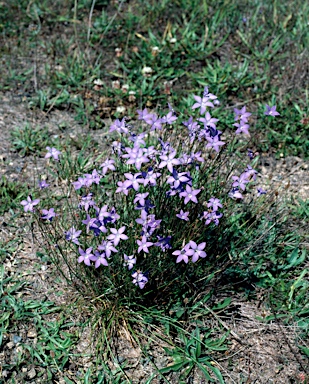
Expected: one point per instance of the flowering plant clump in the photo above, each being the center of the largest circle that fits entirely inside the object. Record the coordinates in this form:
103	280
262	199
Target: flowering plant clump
157	214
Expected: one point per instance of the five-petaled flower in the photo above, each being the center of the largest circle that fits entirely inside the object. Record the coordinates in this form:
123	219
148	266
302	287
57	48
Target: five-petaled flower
143	244
271	111
29	204
86	256
117	234
190	194
196	251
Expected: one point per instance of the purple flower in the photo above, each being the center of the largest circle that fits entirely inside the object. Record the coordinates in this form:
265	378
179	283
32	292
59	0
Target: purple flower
100	259
89	222
212	217
117	147
86	256
242	127
250	173
203	102
241	114
144	114
155	121
143	244
134	180
169	118
179	178
29	204
250	154
108	164
107	247
164	242
214	203
193	128
208	120
48	214
235	194
52	152
169	161
86	202
183	215
140	198
215	143
72	235
43	184
79	183
190	194
271	111
183	254
119	126
240	181
117	235
113	216
196	251
103	214
123	187
129	261
138	140
261	191
150	177
139	279
136	156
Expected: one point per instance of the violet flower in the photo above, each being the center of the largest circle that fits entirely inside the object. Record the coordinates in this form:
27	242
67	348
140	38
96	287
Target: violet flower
107	165
208	121
183	215
203	102
134	180
129	261
235	194
169	118
72	235
215	143
196	251
86	256
241	114
143	244
100	259
271	111
29	204
169	161
119	126
139	279
48	214
183	254
242	127
190	194
52	152
107	247
43	184
261	191
117	235
214	203
140	198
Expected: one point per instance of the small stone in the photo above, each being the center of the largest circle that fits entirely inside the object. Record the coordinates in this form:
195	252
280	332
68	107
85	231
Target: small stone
31	333
10	345
16	339
31	374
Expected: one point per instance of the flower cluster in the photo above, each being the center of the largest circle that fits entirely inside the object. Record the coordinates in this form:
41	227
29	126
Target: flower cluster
158	187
